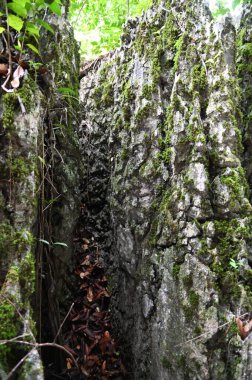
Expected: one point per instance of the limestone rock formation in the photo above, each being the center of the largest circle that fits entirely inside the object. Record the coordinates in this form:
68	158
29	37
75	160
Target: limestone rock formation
38	199
166	141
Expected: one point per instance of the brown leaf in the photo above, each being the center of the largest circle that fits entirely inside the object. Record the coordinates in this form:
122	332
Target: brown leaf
69	363
86	261
84	274
15	83
90	295
3	68
244	330
18	73
104	365
248	327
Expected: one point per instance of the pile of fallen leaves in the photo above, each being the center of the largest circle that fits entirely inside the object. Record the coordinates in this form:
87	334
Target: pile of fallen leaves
89	326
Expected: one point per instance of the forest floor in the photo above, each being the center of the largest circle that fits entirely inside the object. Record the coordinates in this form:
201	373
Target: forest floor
89	329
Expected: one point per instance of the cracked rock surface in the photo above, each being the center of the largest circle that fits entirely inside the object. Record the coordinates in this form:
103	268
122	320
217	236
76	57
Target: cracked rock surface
166	141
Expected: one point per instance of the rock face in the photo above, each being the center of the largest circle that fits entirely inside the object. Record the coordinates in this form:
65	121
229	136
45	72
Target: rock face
38	200
166	141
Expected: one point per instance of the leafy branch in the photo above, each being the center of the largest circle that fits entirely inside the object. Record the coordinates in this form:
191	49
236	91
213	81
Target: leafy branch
22	23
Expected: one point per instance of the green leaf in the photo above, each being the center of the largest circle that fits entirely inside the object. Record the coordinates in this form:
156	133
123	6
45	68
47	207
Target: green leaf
55	8
32	29
236	3
15	22
44	241
41	160
1	14
18	48
2	29
40	3
45	25
66	90
18	9
61	244
33	48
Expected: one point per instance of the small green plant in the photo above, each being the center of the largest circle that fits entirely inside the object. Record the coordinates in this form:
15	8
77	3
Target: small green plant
236	264
21	26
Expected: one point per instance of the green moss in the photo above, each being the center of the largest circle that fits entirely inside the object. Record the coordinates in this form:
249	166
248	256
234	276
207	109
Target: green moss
9	104
188	312
199	77
175	270
155	72
197	331
165	143
166	363
27	91
9	328
125	153
103	73
180	48
128	94
230	290
20	168
143	112
230	236
246	50
97	94
103	95
17	240
166	155
187	281
147	92
237	184
170	32
152	237
107	95
193	299
27	276
126	112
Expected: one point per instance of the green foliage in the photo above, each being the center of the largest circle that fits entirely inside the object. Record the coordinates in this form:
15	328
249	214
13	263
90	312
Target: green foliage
24	17
222	7
9	328
236	264
98	23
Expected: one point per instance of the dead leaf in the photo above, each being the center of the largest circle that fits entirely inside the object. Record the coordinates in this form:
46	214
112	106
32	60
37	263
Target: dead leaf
69	363
244	330
86	241
3	69
90	295
86	261
104	365
84	274
248	327
18	73
15	83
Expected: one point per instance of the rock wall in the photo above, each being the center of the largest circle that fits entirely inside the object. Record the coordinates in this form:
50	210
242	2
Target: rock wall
39	199
166	138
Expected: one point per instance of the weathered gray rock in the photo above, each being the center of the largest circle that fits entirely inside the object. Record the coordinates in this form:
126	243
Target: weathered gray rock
166	186
39	199
19	181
